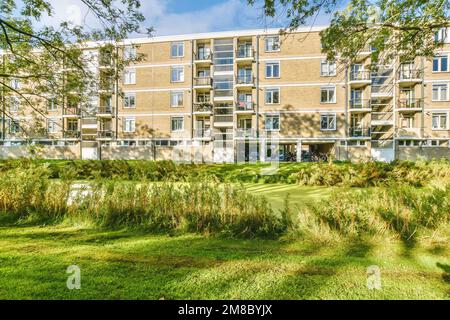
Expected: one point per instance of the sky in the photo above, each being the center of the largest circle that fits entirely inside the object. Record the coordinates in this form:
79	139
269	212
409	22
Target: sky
169	17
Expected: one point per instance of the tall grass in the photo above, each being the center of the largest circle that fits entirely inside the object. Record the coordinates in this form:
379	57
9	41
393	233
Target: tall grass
208	207
346	174
200	207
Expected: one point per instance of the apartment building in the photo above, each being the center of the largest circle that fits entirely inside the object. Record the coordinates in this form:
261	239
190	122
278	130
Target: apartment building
247	96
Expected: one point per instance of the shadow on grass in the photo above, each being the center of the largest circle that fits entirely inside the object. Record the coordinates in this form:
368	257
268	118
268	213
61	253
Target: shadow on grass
446	269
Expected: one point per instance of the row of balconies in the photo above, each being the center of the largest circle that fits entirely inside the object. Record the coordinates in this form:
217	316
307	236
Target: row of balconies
207	82
403	105
239	106
243	53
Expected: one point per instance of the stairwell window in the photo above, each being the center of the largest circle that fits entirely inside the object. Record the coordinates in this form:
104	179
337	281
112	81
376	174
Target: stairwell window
129	125
129	76
440	92
14	126
177	50
129	100
273	69
272	122
177	74
440	121
177	124
440	63
272	44
176	99
272	96
328	122
328	94
15	84
327	68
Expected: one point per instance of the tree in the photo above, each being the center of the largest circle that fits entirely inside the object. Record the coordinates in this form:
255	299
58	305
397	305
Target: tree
409	28
44	66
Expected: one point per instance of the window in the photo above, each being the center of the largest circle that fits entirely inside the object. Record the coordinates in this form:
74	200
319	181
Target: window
176	98
272	70
51	104
272	44
129	124
72	125
407	122
129	76
328	94
273	96
440	63
327	68
177	74
52	126
356	143
272	122
439	121
328	122
441	35
177	124
14	126
14	104
129	53
440	92
177	50
15	84
129	100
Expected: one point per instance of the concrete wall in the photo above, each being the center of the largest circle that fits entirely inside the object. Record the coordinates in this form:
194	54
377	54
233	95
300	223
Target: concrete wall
46	152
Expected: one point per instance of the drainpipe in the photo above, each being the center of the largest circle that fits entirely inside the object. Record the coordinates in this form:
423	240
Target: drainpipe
3	102
346	126
192	96
258	147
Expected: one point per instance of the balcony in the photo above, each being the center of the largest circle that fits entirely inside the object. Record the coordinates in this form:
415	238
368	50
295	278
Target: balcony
105	111
407	78
203	58
244	107
105	134
223	120
357	132
202	134
203	83
89	124
245	54
72	112
203	108
359	79
384	91
245	82
410	105
360	105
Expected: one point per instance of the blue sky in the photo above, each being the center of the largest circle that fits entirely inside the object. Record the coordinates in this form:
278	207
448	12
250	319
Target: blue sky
169	17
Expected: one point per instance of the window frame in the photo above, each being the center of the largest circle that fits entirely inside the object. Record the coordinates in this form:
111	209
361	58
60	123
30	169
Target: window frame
124	125
125	98
439	92
172	69
333	115
271	64
272	116
278	41
127	78
129	52
322	88
327	64
440	114
172	118
272	96
439	58
174	93
177	43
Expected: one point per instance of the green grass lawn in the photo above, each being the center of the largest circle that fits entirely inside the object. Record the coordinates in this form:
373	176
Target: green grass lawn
127	265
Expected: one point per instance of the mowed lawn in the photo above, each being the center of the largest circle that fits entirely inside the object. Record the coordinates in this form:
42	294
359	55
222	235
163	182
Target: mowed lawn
126	265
